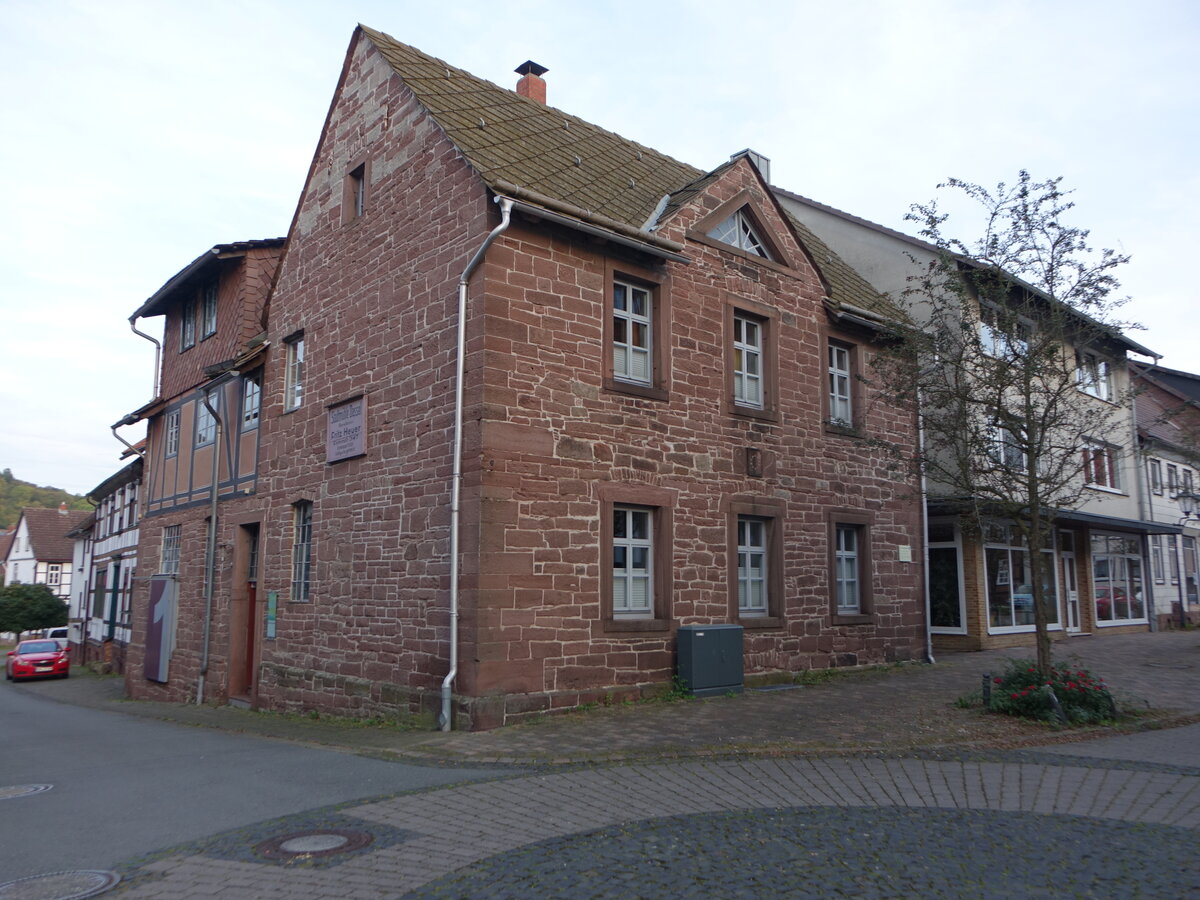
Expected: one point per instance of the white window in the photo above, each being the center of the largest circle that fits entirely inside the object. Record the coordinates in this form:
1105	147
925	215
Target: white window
169	564
293	386
251	400
1005	449
1002	333
206	425
1172	481
1173	557
847	569
1010	579
841	411
54	574
747	361
632	360
752	566
302	552
1092	375
187	325
1156	478
208	314
1156	558
1100	465
738	231
1187	481
171	441
632	566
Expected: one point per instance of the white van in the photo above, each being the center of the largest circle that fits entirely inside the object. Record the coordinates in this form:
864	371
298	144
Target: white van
61	633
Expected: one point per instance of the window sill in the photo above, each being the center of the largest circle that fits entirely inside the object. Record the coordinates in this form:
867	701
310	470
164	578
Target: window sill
1105	489
859	619
843	430
759	623
766	414
645	391
635	626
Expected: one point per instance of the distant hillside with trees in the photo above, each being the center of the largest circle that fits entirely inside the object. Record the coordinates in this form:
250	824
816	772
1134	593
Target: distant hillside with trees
16	494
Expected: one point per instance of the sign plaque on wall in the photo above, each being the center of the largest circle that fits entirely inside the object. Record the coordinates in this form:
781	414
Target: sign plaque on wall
346	430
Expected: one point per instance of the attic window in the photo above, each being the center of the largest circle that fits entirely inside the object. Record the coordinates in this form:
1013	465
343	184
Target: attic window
738	231
356	192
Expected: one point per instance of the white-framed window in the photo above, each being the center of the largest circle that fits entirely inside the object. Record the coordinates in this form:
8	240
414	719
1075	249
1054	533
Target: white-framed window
1156	478
187	326
171	540
747	360
302	551
171	440
847	569
841	409
251	400
293	381
632	561
632	334
1173	557
739	231
208	311
206	425
54	574
131	501
1156	558
752	566
1172	481
1117	579
1009	575
1005	449
1188	484
1092	375
1001	333
1101	465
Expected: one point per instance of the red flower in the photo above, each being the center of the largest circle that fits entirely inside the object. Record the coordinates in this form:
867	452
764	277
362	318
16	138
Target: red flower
1014	696
997	680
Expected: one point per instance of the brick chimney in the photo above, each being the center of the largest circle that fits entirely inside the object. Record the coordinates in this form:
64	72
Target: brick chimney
62	508
531	84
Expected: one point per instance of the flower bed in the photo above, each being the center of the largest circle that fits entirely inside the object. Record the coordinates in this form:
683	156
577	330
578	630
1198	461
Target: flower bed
1022	691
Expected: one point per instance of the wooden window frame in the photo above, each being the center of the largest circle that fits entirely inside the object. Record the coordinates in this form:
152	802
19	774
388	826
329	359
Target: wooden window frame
659	502
773	513
656	283
208	304
768	322
863	523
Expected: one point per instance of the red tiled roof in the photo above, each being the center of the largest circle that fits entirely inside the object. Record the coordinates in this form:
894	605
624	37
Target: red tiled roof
48	532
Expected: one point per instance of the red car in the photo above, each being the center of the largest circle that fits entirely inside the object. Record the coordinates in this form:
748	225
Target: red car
38	659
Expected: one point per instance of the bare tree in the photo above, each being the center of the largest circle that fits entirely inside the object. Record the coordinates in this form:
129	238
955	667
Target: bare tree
1012	352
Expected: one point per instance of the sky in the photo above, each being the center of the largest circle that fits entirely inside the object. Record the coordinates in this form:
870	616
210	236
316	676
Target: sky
139	134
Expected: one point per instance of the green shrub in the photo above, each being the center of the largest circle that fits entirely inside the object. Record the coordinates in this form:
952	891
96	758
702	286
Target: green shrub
1021	691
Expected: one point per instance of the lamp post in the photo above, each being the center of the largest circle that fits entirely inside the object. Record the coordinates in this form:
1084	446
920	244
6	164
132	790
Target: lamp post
1188	505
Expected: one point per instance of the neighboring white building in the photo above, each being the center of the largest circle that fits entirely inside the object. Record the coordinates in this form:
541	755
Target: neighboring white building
41	552
1099	550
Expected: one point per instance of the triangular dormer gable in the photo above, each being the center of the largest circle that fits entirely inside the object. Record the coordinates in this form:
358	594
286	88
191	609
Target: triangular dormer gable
741	231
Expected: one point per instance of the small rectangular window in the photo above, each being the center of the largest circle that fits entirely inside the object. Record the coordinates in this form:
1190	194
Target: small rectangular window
171	440
54	574
1156	477
752	566
293	385
1002	333
1187	481
206	425
1173	558
632	562
187	326
302	551
1172	481
356	191
841	410
1092	375
632	333
171	539
251	400
1100	465
1156	558
208	314
748	361
847	569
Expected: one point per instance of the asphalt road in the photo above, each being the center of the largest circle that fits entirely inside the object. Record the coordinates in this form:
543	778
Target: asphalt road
123	786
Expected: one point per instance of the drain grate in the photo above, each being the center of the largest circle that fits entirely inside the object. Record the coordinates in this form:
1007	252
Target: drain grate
60	885
22	790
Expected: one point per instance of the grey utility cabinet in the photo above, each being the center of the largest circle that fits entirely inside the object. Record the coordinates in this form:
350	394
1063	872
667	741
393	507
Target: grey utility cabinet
710	659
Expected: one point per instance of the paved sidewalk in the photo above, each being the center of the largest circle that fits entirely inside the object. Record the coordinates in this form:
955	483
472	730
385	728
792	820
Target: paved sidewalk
900	708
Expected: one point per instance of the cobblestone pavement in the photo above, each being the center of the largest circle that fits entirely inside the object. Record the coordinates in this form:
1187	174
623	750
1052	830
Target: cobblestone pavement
868	785
740	828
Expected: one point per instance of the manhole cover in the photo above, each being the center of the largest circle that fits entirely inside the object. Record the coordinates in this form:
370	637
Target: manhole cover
310	844
22	790
60	885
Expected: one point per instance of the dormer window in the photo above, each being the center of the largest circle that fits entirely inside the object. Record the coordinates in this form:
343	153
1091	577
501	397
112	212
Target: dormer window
739	231
208	311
